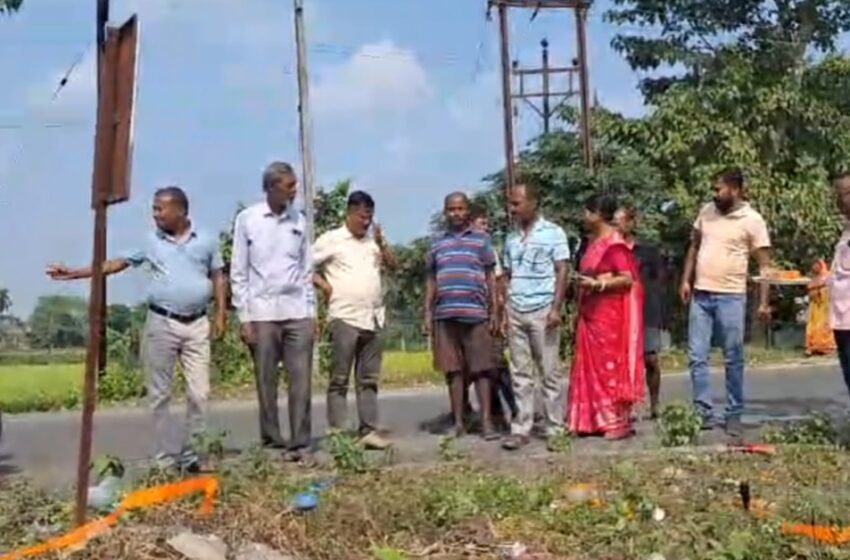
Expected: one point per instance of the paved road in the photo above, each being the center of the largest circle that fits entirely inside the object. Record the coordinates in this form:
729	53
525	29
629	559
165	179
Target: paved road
44	446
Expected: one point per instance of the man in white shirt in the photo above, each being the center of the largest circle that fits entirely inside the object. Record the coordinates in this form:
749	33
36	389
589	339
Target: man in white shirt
272	284
348	264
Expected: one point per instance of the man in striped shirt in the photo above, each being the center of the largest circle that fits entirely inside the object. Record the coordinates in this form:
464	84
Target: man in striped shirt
461	309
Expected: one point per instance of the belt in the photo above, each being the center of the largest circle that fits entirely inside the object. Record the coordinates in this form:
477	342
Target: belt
176	316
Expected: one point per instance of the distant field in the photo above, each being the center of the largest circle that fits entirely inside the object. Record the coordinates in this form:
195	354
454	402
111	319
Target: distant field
39	387
49	387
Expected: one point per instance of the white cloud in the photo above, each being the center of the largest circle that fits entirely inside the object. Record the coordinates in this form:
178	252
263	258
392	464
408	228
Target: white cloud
378	77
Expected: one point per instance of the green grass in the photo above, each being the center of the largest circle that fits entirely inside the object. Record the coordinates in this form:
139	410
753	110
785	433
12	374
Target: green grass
39	387
472	509
49	387
409	369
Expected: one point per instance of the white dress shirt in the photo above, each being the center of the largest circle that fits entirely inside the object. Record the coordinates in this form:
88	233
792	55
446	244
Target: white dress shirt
272	266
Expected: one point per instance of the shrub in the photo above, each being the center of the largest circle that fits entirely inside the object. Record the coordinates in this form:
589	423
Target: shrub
680	425
42	357
121	383
231	360
818	429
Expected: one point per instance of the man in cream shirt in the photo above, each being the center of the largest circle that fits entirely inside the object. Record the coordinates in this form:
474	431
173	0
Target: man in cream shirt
348	265
726	233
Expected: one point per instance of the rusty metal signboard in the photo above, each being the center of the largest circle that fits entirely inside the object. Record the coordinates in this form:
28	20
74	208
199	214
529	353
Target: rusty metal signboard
116	107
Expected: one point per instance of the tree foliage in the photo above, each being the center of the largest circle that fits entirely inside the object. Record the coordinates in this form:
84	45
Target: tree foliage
59	322
329	207
554	162
5	301
700	35
789	134
9	6
405	290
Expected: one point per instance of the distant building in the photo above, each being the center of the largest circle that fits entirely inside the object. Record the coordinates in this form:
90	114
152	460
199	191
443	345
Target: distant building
14	333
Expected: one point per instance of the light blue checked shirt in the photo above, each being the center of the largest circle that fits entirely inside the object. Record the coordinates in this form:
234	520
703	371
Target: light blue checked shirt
272	266
180	270
531	265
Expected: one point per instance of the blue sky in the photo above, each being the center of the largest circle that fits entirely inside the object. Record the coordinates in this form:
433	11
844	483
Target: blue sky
405	94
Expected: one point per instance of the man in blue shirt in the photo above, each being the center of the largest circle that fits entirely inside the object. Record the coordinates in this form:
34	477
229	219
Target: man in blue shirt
185	272
536	257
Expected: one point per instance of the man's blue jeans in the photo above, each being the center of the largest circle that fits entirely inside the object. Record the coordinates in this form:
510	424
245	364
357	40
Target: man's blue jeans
715	316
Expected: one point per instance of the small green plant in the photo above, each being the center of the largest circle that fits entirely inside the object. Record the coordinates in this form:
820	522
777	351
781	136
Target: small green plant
210	444
385	553
559	443
818	429
107	465
348	456
465	494
448	449
258	462
121	383
737	546
680	425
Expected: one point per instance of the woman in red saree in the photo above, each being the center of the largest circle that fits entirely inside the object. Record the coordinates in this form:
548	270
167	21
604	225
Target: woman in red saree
607	378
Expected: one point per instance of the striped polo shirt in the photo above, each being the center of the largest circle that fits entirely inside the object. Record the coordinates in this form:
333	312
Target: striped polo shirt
459	261
530	261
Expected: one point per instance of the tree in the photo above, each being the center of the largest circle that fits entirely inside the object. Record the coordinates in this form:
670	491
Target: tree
124	319
330	207
555	163
699	35
59	322
405	290
761	89
5	301
9	6
789	134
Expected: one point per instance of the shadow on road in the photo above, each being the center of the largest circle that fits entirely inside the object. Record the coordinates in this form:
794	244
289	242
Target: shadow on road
790	408
758	412
6	466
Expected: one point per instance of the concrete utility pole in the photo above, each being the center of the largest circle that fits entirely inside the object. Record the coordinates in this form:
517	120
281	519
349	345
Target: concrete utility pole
102	20
305	126
544	44
507	104
304	122
581	8
546	72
